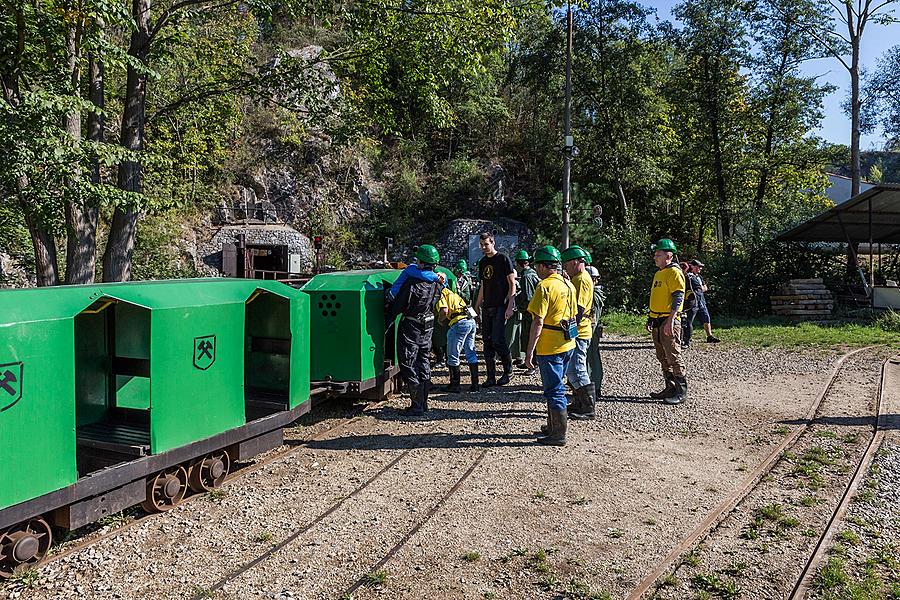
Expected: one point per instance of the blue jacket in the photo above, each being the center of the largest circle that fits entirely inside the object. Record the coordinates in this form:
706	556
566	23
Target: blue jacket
411	271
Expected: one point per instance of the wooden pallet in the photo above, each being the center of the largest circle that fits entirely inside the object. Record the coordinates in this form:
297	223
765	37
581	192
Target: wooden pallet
803	298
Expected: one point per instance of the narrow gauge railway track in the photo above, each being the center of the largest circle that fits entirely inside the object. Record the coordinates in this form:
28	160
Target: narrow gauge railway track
825	541
747	486
246	567
286	451
428	516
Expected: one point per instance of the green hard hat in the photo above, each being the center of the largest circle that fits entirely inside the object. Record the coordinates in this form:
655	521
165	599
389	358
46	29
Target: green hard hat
428	254
588	259
665	244
462	265
574	252
546	254
522	255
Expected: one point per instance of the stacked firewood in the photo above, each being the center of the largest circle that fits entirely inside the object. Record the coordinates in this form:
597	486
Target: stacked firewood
803	298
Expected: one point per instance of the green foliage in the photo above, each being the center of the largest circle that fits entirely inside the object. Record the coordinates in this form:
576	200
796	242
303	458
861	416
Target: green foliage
157	253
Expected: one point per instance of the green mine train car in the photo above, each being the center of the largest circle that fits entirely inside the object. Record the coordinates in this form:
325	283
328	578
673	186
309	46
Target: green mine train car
118	394
353	349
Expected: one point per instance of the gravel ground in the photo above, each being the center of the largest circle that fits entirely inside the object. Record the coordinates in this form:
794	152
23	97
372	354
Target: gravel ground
865	560
531	521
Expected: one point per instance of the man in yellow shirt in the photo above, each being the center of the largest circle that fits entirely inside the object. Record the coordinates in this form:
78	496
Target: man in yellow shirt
452	309
574	262
552	339
664	321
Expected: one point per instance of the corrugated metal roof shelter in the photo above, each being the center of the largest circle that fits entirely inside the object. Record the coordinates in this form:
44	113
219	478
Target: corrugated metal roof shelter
872	216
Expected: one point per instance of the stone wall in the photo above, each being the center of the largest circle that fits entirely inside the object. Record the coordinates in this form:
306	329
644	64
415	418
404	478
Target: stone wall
455	242
210	253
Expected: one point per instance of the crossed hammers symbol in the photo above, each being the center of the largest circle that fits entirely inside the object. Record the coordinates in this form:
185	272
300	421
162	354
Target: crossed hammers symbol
8	377
204	347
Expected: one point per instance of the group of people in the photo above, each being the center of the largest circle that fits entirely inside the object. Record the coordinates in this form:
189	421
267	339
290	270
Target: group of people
541	314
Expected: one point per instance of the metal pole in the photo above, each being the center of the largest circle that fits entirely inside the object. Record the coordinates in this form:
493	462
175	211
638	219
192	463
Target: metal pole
871	249
567	133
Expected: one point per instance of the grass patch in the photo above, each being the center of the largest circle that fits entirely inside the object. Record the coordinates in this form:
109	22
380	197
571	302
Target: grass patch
827	434
582	501
781	430
669	581
850	438
713	584
578	590
216	495
809	500
378	577
539	495
202	592
772	331
849	537
615	533
692	559
811	465
832	576
26	578
114	520
263	537
472	556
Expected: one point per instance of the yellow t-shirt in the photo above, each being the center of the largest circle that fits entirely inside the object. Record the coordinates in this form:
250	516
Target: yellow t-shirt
584	289
666	282
455	305
553	301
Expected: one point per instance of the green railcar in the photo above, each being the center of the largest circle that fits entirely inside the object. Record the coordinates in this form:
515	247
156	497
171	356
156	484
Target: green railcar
354	348
116	394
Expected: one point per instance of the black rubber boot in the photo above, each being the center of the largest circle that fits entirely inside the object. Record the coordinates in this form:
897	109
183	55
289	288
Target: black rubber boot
507	370
417	402
454	381
711	339
491	369
669	390
473	374
681	391
545	429
558	426
585	396
426	388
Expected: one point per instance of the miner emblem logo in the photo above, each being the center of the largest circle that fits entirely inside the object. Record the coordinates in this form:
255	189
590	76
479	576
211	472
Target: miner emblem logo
204	352
10	384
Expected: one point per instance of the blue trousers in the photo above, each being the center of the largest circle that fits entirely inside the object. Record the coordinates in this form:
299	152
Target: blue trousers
577	371
461	337
553	368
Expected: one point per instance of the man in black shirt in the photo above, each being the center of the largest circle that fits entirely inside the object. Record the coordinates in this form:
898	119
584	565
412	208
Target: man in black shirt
496	298
415	301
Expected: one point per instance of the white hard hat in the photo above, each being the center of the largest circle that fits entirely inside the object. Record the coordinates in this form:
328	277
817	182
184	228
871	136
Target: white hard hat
592	271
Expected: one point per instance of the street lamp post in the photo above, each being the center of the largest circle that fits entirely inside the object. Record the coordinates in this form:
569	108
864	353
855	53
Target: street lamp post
568	141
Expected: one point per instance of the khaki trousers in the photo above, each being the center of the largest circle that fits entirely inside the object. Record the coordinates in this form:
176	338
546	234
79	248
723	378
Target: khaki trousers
668	348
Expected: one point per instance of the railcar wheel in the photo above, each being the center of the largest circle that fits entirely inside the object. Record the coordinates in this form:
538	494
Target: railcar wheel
210	472
24	544
166	490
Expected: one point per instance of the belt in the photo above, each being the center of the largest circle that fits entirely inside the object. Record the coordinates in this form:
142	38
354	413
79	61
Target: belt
459	314
657	321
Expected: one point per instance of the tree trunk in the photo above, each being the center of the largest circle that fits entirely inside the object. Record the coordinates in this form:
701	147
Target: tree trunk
120	245
721	195
621	193
81	220
45	266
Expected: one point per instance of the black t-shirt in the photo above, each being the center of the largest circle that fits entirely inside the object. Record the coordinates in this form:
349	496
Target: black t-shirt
493	272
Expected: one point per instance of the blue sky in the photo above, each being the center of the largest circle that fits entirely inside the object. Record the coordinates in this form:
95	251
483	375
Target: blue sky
836	125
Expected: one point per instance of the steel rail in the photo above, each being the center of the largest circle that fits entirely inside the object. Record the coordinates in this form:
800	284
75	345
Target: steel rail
285	452
718	514
804	582
363	580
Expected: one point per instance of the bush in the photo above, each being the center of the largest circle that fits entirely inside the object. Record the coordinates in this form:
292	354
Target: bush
889	321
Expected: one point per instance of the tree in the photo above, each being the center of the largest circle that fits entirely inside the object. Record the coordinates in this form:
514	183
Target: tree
620	111
881	95
840	34
714	45
788	104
